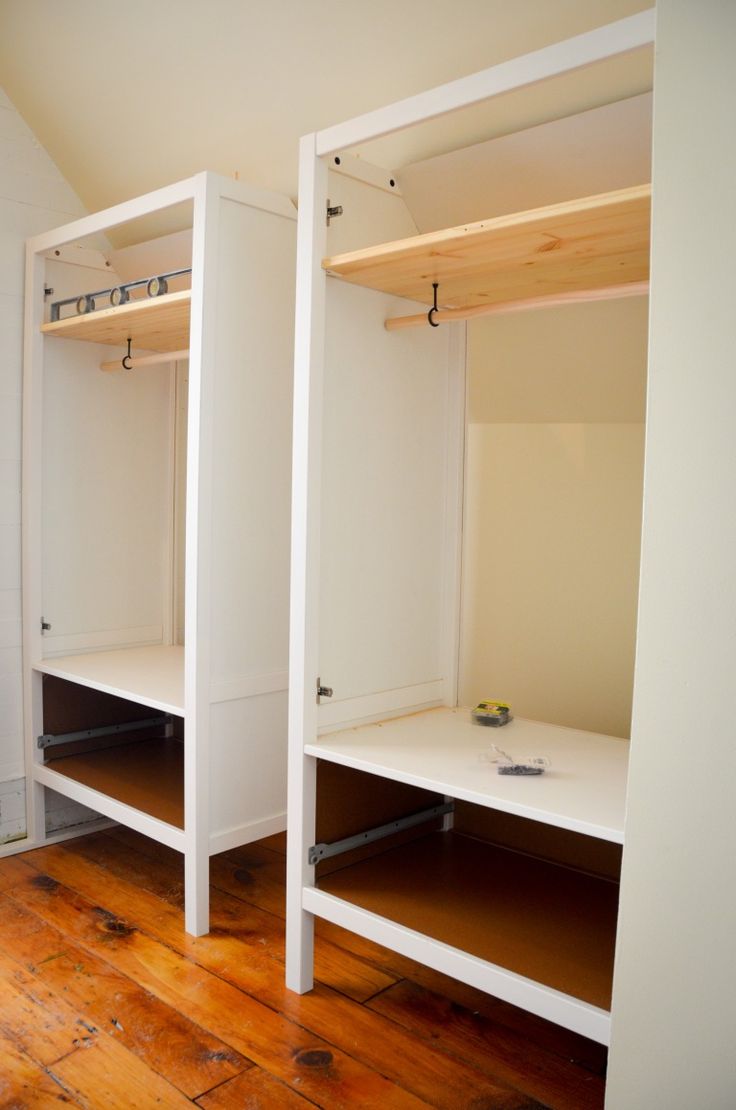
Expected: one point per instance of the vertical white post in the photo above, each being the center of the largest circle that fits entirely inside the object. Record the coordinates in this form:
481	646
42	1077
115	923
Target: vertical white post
306	482
454	506
198	540
32	536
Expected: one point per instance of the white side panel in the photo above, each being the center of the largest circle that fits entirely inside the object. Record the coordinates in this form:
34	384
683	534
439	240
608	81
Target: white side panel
247	768
252	444
383	497
105	493
674	1003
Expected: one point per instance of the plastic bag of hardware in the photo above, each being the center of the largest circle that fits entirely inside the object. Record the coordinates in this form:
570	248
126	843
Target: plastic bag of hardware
509	765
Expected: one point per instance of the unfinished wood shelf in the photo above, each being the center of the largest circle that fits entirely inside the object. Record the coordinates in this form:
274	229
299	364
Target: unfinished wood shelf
547	923
153	324
147	776
587	244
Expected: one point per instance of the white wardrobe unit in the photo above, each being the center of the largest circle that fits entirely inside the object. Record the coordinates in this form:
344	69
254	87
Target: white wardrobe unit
156	519
399	830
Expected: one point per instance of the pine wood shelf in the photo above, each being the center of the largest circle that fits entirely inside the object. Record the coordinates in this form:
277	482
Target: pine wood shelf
586	244
153	324
548	923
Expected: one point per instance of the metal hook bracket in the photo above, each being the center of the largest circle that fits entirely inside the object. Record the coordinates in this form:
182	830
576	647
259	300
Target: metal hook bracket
126	358
433	309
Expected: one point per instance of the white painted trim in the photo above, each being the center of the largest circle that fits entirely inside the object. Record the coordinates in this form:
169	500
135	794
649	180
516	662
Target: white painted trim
202	341
561	57
110	807
454	509
109	218
249	686
168	631
81	642
305	531
334	715
572	1013
366	172
32	533
80	256
246	833
230	189
16	847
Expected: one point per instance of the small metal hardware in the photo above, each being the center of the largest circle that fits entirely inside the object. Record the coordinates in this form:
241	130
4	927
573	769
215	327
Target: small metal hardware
45	626
333	210
156	286
49	740
325	851
126	358
433	309
48	291
323	691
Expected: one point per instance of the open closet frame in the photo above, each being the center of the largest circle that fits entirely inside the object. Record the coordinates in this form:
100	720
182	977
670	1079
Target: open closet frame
226	686
359	733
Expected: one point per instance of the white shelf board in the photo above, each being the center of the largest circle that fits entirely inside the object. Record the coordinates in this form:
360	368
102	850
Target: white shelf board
151	676
440	749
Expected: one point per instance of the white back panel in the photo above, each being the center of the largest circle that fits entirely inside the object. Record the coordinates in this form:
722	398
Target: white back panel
383	498
251	466
105	498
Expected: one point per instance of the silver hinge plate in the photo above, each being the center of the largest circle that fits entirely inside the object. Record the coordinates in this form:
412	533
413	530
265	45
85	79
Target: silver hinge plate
333	210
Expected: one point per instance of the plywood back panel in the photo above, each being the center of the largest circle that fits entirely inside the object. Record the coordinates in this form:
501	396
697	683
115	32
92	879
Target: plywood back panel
351	802
384	491
586	853
69	707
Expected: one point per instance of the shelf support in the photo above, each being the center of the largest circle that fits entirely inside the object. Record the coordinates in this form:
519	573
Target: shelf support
324	851
50	740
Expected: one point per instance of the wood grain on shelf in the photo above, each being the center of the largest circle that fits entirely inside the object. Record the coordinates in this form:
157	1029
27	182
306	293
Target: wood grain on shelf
551	924
153	324
148	776
589	243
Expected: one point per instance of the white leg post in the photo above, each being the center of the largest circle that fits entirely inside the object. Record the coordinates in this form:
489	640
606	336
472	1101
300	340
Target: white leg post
198	541
303	662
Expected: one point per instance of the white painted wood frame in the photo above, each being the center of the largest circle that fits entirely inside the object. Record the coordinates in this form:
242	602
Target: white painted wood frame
306	721
229	681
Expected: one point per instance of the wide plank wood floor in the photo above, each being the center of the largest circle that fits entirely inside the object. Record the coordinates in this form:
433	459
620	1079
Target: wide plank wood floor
106	1002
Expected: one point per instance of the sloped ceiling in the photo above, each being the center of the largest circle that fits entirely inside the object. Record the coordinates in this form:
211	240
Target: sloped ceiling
132	95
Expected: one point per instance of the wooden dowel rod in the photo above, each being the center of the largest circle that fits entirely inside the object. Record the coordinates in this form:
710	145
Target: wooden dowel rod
554	300
145	360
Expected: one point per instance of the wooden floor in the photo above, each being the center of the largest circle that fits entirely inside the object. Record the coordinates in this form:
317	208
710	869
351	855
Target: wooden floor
106	1002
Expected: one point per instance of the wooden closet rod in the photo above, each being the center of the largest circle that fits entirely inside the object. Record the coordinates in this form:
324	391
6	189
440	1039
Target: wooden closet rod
580	296
144	360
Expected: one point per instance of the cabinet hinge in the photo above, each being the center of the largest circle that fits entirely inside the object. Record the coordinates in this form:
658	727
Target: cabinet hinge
45	626
323	691
333	210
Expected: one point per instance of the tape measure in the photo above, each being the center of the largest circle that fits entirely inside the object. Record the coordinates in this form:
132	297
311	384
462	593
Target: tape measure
494	713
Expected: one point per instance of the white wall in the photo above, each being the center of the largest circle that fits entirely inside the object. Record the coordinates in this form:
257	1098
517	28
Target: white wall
674	1000
33	198
553	512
